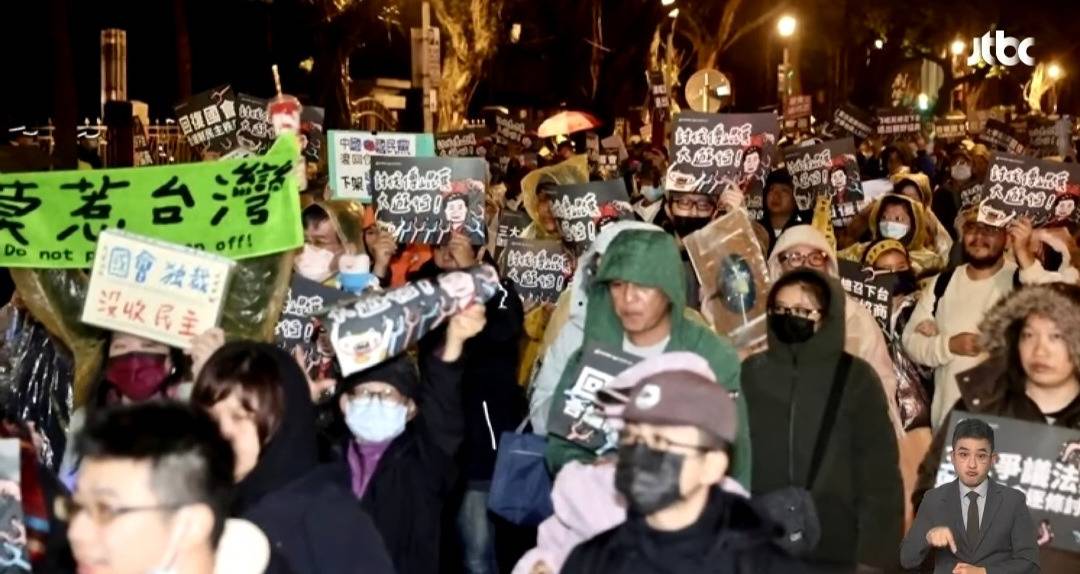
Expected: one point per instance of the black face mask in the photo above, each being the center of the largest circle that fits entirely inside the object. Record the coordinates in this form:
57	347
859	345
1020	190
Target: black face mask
684	226
906	282
791	329
648	478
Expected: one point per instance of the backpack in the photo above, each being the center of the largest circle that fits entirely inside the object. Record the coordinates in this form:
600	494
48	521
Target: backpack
941	283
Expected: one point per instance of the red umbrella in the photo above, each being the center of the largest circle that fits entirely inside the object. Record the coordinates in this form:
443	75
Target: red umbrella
566	123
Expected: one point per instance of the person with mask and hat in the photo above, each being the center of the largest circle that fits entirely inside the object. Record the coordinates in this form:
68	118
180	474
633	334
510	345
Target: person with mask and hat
901	218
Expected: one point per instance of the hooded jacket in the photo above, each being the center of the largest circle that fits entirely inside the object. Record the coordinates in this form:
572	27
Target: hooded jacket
997	386
573	170
730	537
649	258
940	239
862	335
924	260
858	491
311	520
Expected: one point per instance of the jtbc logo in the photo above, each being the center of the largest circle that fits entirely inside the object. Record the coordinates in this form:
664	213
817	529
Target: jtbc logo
992	50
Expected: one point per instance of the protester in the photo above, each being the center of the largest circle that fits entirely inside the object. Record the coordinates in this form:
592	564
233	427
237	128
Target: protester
404	433
676	448
857	489
998	533
1033	340
917	187
262	403
153	496
331	229
780	210
948	202
896	160
901	218
640	309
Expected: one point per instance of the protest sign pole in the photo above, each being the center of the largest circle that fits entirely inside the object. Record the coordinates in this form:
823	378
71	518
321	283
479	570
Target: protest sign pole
425	27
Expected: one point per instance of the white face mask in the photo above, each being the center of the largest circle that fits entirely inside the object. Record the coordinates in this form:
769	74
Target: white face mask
893	229
961	172
172	551
314	263
374	420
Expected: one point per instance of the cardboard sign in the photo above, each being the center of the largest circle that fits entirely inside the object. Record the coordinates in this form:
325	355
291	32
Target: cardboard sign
349	156
1046	192
577	415
426	200
236	208
1039	460
472	142
797	112
510	131
512	224
1047	137
659	99
854	121
999	136
298	325
732	270
583	209
950	129
164	292
208	120
898	122
827	169
254	131
541	269
377	326
874	291
716	152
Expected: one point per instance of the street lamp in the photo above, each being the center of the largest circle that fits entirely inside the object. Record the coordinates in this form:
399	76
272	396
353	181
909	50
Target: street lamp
674	13
958	47
786	26
1054	71
879	43
667	2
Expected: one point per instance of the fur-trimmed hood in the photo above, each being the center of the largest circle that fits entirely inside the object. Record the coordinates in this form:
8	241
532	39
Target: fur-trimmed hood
1057	301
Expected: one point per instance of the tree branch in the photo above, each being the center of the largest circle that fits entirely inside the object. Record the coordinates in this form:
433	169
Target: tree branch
755	24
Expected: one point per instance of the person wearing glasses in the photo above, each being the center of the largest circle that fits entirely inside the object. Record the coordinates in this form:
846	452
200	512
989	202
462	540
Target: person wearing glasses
848	466
153	496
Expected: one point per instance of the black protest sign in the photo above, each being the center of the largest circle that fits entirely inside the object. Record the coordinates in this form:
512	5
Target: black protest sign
999	136
510	131
428	199
854	121
1047	137
897	122
471	142
605	163
254	132
577	416
950	129
1043	463
970	195
660	100
541	269
712	153
797	111
312	119
1045	192
512	223
583	209
827	169
873	290
208	120
298	326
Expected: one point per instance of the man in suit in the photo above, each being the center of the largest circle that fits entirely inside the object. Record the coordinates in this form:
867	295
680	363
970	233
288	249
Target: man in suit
972	524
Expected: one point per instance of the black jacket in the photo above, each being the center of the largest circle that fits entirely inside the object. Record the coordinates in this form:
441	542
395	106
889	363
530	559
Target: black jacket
313	524
729	538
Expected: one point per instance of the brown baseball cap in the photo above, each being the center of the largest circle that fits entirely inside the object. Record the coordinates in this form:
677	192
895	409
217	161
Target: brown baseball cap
683	398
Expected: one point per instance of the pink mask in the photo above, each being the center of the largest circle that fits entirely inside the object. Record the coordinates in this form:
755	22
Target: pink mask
138	376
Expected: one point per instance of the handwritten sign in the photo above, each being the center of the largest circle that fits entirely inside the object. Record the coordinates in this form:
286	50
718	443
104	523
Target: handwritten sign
999	136
209	120
512	223
426	200
298	325
577	416
659	98
350	154
472	142
366	331
1047	137
828	169
236	208
583	209
1018	186
164	292
854	121
873	291
509	131
797	112
254	132
950	129
541	269
1039	460
898	122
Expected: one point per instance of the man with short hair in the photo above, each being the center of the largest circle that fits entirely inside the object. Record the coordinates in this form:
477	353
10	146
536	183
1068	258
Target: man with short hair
153	493
973	525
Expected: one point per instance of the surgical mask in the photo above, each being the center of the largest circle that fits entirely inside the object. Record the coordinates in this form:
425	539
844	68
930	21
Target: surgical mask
961	172
684	226
648	478
893	229
791	329
315	263
138	376
652	193
374	420
172	551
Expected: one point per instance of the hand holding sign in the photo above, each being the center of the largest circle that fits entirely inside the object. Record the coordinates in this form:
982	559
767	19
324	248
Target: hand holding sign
463	326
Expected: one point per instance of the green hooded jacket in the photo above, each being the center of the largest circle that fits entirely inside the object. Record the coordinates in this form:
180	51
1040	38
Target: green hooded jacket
858	491
650	258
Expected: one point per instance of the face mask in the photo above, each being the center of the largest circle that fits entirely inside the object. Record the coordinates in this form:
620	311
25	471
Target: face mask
138	376
648	478
791	329
893	229
652	193
374	420
172	551
314	263
905	282
684	226
961	172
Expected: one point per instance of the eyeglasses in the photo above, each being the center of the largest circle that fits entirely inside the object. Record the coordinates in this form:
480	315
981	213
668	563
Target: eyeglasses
67	508
688	203
976	228
812	314
796	259
659	443
385	395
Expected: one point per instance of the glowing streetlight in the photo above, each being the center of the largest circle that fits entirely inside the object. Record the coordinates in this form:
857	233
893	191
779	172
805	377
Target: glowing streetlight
879	43
786	26
667	2
924	102
674	13
958	47
1054	71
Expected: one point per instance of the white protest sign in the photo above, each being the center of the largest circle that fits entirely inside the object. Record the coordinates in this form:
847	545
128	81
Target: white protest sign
153	289
349	157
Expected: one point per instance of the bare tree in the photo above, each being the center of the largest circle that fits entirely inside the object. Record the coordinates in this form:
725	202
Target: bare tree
472	30
713	29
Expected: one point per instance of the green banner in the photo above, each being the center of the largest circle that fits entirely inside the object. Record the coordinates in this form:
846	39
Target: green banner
237	208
